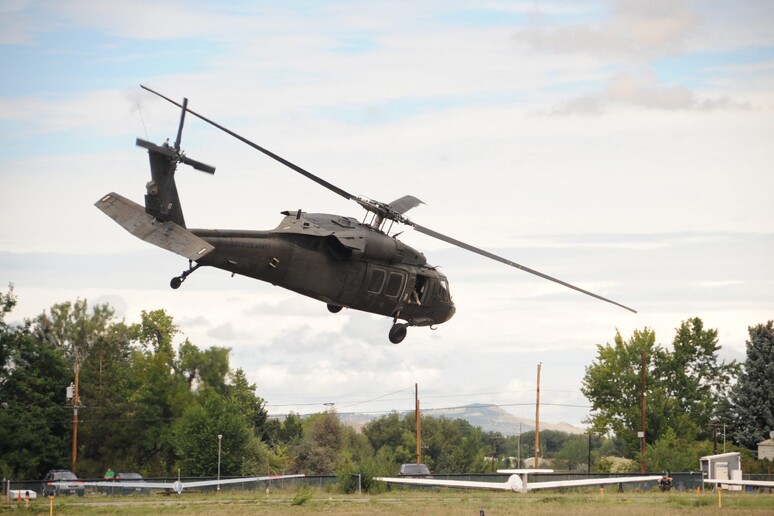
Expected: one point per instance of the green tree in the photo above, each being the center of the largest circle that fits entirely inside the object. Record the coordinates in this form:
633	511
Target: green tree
71	327
694	379
204	367
251	405
196	438
672	453
34	431
685	386
158	395
320	450
612	384
752	404
104	433
573	454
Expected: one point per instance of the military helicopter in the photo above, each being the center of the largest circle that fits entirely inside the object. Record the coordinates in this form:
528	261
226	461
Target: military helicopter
339	260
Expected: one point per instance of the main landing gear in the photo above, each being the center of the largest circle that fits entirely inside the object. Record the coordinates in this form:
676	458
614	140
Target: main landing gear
178	280
398	332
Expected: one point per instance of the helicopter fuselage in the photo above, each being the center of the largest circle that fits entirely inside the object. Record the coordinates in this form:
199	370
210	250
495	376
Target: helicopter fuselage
339	261
335	259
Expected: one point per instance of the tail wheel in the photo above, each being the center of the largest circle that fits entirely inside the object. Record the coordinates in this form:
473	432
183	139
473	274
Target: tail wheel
398	333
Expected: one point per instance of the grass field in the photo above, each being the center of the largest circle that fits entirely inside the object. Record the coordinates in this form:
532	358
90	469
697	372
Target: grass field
443	502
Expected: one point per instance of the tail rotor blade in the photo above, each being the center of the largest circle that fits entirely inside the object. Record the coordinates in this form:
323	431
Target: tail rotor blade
198	165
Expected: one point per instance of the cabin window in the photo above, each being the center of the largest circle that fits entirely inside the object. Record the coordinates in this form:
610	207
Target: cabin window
377	281
394	285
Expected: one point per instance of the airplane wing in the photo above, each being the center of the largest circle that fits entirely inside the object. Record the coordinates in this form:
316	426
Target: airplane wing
202	483
757	483
551	484
512	484
178	486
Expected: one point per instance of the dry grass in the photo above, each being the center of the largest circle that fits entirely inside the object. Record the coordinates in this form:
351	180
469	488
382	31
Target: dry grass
448	503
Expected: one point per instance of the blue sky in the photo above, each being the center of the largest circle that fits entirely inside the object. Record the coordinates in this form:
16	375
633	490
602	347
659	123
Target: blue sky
624	146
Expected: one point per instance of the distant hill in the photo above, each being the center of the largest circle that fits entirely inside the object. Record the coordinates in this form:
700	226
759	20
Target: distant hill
490	418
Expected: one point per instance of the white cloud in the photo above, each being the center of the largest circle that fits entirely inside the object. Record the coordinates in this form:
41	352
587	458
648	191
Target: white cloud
658	202
634	29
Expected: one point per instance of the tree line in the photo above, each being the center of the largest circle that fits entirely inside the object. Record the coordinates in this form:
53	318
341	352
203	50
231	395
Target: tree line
155	403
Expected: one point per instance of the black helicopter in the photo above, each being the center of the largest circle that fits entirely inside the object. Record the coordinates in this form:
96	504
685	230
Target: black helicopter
338	260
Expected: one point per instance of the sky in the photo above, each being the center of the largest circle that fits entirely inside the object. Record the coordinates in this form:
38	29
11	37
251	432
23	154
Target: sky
625	146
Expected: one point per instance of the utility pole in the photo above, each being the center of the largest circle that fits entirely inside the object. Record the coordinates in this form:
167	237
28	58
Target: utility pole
537	419
642	415
220	438
75	417
588	464
419	429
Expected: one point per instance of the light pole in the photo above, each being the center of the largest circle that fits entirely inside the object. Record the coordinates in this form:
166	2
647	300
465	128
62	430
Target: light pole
220	438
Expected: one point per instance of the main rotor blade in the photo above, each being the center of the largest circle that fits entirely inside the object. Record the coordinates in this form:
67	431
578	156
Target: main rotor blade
500	259
305	173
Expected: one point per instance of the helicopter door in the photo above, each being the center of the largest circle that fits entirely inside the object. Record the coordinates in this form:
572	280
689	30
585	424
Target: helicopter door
421	291
382	290
395	284
386	283
376	283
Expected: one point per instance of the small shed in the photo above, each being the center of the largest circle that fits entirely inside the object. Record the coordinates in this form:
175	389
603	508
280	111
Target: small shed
766	449
724	466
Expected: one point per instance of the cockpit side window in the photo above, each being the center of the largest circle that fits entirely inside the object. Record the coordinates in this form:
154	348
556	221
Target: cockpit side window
444	290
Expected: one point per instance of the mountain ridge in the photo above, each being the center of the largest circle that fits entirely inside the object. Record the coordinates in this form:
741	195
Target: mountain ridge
490	417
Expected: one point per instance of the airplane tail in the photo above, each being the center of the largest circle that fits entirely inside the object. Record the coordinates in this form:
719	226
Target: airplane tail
162	200
515	483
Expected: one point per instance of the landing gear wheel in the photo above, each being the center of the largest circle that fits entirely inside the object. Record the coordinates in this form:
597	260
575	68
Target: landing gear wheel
398	333
178	280
334	309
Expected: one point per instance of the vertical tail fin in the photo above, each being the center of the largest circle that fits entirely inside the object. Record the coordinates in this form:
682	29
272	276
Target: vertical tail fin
162	200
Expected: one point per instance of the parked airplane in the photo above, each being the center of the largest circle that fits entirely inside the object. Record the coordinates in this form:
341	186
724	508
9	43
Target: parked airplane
519	484
754	483
178	486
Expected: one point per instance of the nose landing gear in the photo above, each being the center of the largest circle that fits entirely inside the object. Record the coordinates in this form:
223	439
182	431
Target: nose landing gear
398	332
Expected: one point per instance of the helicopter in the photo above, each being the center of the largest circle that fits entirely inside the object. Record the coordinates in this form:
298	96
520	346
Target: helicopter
339	260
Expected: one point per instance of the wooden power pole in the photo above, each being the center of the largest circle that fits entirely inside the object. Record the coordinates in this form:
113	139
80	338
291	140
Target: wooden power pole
537	419
419	428
75	418
642	415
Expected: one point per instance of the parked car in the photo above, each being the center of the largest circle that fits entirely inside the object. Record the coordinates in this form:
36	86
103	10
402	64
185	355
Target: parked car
66	483
139	485
415	471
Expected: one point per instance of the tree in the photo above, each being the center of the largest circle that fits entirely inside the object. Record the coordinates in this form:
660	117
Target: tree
319	451
752	403
196	438
251	405
157	396
685	386
672	453
613	386
694	378
34	434
204	367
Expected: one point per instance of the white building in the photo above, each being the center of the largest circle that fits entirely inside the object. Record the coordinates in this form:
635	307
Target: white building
766	449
